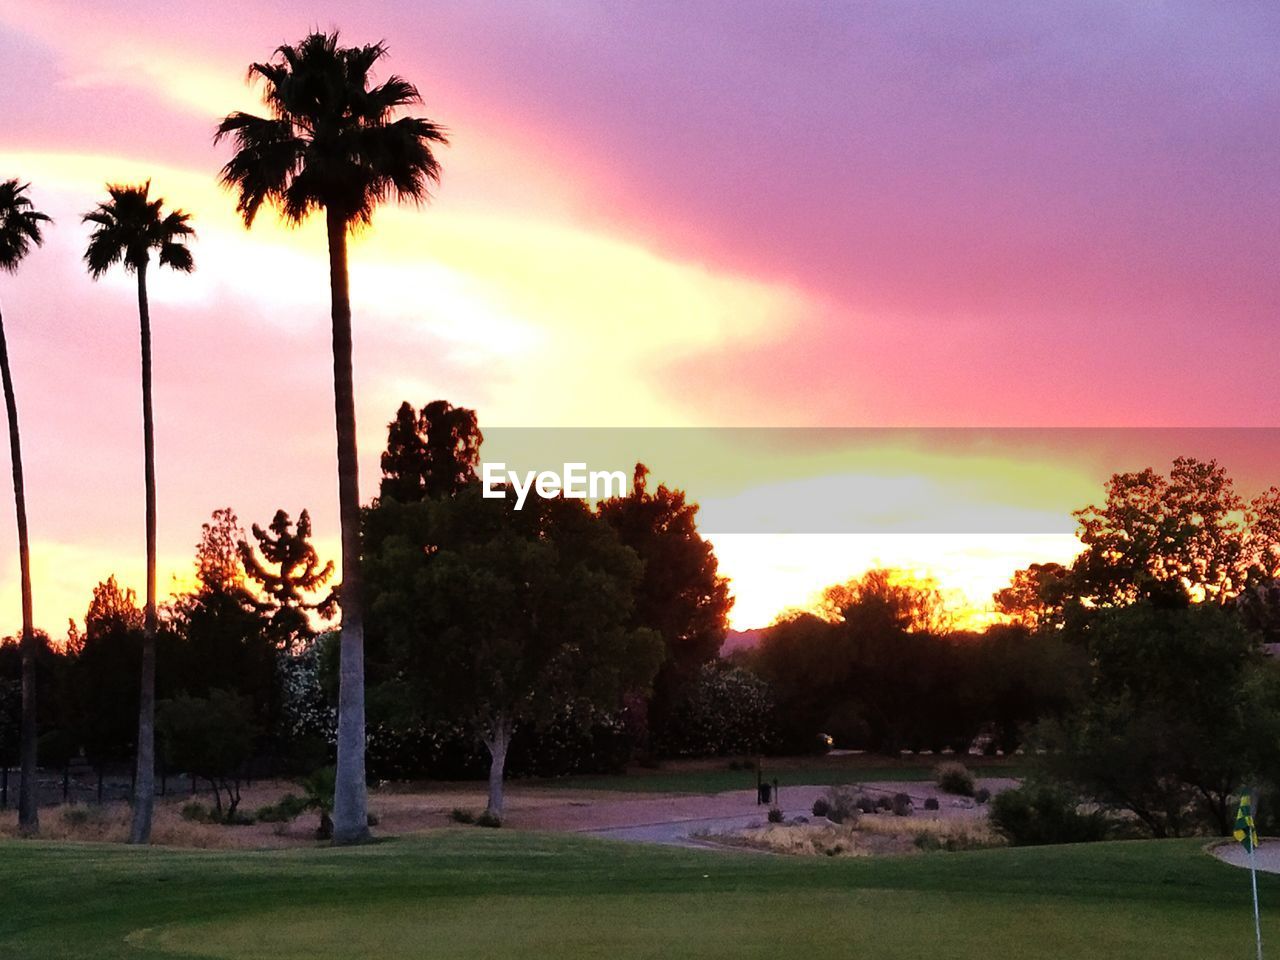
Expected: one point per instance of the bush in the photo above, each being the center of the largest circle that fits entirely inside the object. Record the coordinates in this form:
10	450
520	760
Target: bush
458	815
1040	813
76	816
931	803
487	819
982	795
283	810
927	842
775	815
820	807
883	803
865	804
902	805
841	806
954	778
196	812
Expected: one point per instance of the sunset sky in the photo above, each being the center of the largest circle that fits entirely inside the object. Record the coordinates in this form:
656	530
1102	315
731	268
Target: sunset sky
673	215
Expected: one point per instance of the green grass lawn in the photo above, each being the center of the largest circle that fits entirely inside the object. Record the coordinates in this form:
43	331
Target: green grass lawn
492	894
703	778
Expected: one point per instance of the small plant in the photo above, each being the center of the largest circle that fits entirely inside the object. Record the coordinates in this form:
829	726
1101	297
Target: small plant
982	795
76	816
821	807
931	803
318	796
883	803
458	815
954	778
901	805
287	808
927	842
841	807
775	815
488	819
865	804
196	812
372	819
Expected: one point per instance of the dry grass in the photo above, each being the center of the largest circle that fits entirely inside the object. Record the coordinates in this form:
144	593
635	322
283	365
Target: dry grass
872	835
109	823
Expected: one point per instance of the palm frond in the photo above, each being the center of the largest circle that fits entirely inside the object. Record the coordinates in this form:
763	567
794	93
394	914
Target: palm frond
130	225
332	140
20	224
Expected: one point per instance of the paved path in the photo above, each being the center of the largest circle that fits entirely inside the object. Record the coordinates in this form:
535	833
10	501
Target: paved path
1267	856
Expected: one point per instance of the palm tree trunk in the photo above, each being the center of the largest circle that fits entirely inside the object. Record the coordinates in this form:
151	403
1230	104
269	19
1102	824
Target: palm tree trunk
144	790
350	801
28	802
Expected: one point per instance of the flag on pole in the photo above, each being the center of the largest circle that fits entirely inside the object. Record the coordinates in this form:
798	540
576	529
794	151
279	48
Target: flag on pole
1246	832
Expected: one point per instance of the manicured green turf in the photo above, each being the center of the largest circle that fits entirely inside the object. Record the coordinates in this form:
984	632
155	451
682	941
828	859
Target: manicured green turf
789	772
477	893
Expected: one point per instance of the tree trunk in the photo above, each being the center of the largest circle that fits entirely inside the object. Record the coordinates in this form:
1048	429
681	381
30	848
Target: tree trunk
144	786
350	801
28	802
498	740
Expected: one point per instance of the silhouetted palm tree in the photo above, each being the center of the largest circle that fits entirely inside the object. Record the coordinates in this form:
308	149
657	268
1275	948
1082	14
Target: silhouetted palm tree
128	229
20	226
332	142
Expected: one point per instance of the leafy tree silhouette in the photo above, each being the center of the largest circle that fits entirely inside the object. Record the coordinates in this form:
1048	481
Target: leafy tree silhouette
297	572
430	454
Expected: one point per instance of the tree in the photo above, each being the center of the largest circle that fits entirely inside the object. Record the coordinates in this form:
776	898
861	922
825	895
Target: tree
128	229
104	676
502	617
1181	709
211	737
1036	596
21	226
225	638
332	142
1172	540
298	572
431	454
681	594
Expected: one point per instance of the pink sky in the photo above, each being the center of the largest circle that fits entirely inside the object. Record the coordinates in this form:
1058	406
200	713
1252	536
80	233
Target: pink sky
963	214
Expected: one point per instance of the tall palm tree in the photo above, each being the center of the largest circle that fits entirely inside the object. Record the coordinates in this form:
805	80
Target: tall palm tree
128	228
332	142
20	227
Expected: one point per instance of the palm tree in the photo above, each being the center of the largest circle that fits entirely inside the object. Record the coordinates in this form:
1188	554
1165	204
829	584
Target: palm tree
20	226
128	228
332	142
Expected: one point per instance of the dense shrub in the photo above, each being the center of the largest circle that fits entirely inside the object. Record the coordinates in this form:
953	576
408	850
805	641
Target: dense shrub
902	805
820	807
931	803
982	795
726	710
459	815
287	808
883	803
841	805
1041	813
488	819
775	815
865	804
953	777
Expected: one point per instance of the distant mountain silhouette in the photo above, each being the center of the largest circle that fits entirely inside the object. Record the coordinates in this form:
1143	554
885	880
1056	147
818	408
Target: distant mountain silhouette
737	640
